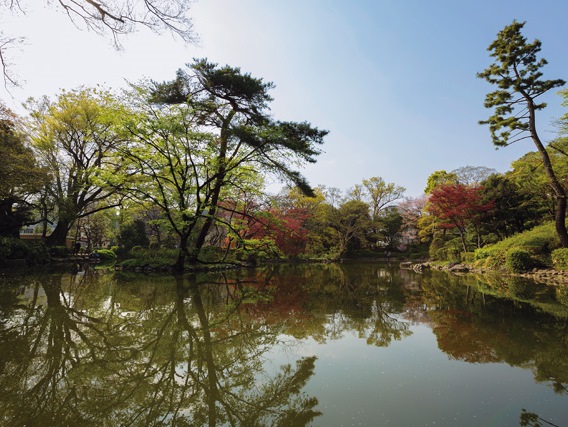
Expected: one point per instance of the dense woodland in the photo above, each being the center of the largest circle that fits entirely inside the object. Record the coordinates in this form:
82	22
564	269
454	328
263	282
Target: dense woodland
179	170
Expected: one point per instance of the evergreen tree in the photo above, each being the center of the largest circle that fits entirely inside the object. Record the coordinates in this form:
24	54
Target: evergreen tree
517	74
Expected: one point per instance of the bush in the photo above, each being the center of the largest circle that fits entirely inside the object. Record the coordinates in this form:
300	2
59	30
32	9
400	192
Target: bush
560	258
33	252
468	257
105	254
59	251
255	250
435	246
133	234
449	251
519	260
484	253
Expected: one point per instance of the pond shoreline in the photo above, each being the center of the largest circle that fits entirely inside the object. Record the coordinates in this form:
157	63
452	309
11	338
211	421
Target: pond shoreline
549	276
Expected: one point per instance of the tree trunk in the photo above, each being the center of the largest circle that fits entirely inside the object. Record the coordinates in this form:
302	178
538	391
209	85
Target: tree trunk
59	235
219	181
462	236
179	266
559	192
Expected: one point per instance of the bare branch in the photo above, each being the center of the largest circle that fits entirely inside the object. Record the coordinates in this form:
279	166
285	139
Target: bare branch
115	18
5	45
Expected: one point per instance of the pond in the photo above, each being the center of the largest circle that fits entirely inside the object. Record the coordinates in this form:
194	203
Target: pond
352	344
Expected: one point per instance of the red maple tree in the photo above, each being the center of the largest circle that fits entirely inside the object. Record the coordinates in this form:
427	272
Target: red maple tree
458	206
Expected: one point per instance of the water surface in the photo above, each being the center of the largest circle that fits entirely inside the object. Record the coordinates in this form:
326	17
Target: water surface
323	345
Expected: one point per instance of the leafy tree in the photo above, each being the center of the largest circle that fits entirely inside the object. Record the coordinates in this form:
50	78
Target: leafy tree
350	224
440	178
205	134
77	138
381	194
377	194
114	18
529	174
514	209
456	207
389	227
133	234
517	74
20	177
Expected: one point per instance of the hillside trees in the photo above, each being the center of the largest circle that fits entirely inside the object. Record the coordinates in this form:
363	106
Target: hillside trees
207	133
517	74
76	138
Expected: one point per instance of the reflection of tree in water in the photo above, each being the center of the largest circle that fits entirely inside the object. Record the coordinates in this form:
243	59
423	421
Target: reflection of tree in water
533	420
113	362
325	301
476	326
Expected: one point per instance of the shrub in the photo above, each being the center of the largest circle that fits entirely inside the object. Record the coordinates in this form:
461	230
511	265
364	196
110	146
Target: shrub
560	258
435	246
255	250
33	252
105	254
133	234
468	257
483	253
59	251
519	260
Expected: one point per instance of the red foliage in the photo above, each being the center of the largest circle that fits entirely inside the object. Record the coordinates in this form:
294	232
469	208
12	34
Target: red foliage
456	205
286	228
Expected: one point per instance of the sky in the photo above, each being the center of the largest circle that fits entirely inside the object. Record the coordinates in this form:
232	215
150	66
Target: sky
394	82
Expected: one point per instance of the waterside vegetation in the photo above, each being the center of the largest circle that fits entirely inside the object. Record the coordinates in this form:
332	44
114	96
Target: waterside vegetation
173	175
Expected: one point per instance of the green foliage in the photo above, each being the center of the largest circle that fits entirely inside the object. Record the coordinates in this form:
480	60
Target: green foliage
59	251
105	254
435	246
133	234
516	73
440	177
20	176
33	252
255	250
468	257
212	254
155	258
540	241
449	251
76	137
560	258
519	260
517	208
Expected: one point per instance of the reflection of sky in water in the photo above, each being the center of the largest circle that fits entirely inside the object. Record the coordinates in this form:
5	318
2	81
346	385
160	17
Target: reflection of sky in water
390	349
411	383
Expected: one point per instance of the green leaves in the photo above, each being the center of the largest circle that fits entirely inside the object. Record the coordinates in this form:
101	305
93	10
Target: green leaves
516	73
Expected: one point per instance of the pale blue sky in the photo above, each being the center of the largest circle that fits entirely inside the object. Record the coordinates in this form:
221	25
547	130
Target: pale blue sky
393	81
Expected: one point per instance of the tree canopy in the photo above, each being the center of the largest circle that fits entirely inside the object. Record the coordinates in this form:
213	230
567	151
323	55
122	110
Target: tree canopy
207	134
517	74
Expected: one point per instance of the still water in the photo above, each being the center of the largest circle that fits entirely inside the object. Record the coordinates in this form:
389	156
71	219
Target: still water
322	345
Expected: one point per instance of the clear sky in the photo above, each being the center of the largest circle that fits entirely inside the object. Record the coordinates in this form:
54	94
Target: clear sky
393	81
